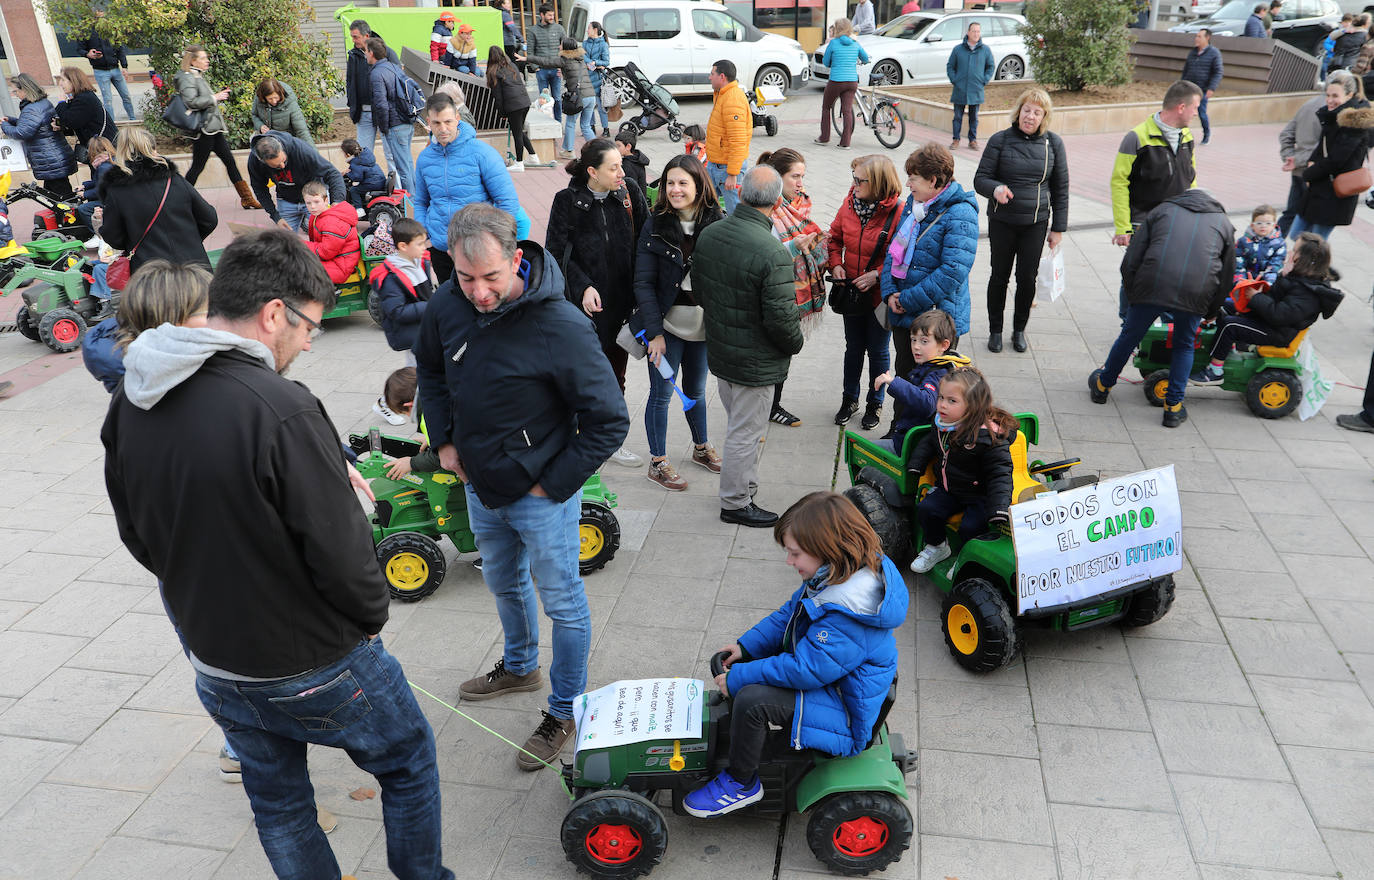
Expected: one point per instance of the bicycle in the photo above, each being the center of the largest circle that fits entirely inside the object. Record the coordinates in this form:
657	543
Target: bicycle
878	114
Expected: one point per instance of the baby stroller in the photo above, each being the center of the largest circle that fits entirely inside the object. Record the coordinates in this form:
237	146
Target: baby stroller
657	106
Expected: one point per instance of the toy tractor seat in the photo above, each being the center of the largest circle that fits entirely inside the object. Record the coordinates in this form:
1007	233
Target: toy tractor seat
1287	351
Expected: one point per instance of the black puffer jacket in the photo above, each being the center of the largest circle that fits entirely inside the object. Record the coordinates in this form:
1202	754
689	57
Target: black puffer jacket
1182	256
593	241
982	470
85	116
1347	134
660	267
131	199
1295	303
1036	168
508	91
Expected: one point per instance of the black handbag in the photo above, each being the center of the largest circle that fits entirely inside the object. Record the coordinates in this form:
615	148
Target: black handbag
572	103
845	298
181	117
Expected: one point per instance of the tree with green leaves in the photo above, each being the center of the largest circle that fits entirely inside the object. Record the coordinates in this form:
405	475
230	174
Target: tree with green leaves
247	40
1077	43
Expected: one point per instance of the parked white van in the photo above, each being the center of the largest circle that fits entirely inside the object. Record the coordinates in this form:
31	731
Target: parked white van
675	42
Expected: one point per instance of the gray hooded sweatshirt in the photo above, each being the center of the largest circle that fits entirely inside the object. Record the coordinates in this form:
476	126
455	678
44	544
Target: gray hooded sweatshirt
162	358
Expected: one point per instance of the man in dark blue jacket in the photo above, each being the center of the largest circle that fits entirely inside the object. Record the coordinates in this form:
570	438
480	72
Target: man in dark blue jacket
522	405
389	117
290	163
106	60
1204	69
358	81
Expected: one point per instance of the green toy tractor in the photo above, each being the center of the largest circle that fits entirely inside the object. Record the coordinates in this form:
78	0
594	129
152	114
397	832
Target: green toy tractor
58	306
415	511
978	580
859	819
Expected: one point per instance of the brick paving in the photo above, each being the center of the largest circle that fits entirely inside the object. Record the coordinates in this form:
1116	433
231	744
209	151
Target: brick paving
1233	740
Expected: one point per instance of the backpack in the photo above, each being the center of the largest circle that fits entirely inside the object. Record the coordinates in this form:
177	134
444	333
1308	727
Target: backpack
410	101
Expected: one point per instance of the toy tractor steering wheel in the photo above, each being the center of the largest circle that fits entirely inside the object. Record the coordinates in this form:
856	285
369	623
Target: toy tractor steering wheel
718	662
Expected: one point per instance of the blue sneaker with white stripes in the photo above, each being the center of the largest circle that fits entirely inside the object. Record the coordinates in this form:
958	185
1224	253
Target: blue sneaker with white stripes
722	795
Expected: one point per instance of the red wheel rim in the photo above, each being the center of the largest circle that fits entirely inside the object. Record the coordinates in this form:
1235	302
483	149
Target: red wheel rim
860	837
65	331
614	844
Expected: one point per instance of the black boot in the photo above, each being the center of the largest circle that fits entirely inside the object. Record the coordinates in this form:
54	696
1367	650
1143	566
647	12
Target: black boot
994	342
1018	340
848	406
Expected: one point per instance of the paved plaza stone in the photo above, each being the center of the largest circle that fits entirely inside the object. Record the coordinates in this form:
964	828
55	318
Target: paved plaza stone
1233	740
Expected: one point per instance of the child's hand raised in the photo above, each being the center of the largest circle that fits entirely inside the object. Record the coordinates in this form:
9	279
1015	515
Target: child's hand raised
884	379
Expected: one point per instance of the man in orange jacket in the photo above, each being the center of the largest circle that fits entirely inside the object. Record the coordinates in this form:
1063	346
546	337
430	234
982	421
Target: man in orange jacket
728	133
333	232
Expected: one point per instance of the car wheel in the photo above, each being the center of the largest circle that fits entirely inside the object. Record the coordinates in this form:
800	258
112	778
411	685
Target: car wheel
1011	68
598	533
61	330
886	73
413	565
1156	385
893	534
614	833
979	628
772	75
859	831
25	326
1273	394
1150	605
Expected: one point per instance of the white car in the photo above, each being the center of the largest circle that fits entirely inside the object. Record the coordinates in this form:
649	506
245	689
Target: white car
913	49
675	42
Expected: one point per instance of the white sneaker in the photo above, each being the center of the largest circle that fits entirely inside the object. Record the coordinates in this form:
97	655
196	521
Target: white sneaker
930	557
93	244
625	457
515	167
381	409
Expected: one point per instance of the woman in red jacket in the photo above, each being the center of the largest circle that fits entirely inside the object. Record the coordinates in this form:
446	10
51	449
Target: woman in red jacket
858	237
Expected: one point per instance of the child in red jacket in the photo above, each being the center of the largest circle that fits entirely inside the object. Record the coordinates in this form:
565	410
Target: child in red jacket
332	231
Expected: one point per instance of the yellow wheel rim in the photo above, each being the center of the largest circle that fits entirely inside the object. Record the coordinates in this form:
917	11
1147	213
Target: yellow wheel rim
1274	395
963	629
592	540
1161	389
407	571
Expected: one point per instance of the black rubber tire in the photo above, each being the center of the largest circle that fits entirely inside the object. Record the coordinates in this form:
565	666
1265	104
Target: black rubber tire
1155	385
629	127
412	564
980	611
374	307
599	532
53	233
1149	606
675	133
1264	393
889	72
894	533
55	330
594	829
888	125
841	828
377	211
25	328
770	125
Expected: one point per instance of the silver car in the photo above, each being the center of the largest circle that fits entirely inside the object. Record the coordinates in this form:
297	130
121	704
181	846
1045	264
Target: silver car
913	49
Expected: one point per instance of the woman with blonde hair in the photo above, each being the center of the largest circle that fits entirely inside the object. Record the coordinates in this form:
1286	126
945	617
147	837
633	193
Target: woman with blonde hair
197	94
47	152
842	56
1024	175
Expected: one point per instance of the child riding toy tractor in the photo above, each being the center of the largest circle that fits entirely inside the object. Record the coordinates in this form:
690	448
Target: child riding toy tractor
979	580
58	305
416	510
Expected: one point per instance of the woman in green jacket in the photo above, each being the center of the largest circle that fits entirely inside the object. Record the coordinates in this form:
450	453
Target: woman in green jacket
275	108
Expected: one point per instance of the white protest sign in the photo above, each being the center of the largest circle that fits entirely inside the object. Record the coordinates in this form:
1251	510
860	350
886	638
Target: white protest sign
1315	388
639	709
1092	540
12	155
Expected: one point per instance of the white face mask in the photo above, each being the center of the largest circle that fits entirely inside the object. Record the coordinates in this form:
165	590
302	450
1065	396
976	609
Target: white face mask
918	211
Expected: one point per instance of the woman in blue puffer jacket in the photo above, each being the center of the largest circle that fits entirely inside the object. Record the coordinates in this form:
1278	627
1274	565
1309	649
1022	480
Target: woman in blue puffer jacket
821	665
598	51
842	56
49	155
932	251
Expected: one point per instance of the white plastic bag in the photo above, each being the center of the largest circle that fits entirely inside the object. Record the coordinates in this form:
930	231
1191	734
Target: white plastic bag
1049	280
1315	389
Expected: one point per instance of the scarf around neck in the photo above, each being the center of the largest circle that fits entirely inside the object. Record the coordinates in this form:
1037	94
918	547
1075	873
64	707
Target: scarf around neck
791	221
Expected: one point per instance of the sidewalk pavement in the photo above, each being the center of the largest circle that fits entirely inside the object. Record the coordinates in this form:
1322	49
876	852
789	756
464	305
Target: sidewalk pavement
1233	740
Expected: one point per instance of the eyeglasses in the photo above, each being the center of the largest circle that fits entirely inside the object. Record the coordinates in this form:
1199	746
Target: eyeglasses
859	180
316	328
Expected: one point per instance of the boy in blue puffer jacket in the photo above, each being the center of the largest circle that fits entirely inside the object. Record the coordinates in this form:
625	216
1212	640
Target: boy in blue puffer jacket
1261	251
821	665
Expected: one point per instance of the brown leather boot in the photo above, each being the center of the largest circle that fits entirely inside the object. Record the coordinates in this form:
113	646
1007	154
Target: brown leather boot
246	200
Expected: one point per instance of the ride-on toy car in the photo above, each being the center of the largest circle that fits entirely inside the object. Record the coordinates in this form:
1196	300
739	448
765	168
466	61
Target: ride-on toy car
414	512
49	250
58	306
978	580
53	215
858	822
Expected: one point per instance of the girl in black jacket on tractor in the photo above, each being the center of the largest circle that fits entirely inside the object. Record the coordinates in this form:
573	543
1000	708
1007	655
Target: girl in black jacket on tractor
970	447
1299	296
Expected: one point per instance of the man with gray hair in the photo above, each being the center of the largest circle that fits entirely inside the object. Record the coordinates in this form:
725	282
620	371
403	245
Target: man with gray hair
742	276
290	163
522	405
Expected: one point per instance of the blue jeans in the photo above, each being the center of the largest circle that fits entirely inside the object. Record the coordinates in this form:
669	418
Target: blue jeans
551	78
396	144
293	213
367	132
1138	320
863	335
100	288
360	704
972	120
104	78
570	122
688	360
528	545
601	111
731	196
1202	115
1300	225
